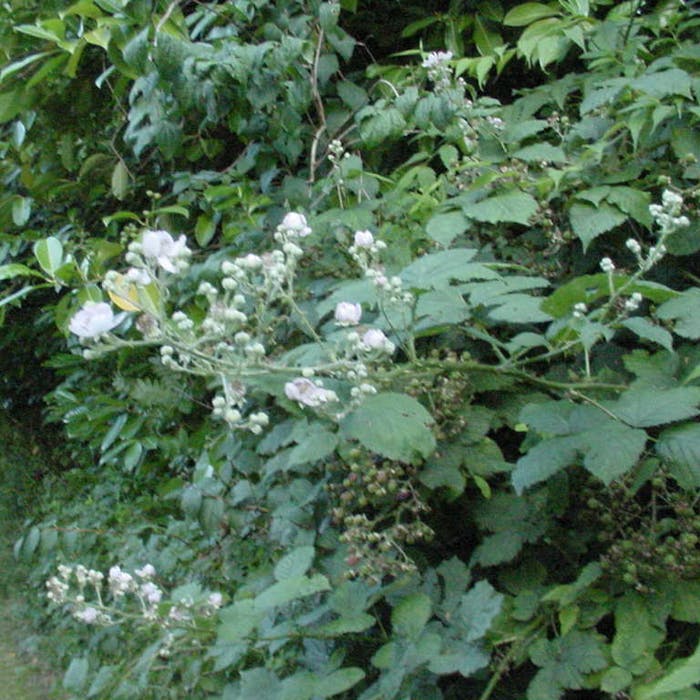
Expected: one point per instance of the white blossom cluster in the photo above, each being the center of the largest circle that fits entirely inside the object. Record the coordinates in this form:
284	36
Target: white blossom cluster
437	64
133	597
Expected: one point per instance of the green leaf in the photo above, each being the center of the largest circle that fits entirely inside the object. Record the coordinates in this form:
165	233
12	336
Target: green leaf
393	425
544	460
684	311
290	589
382	126
21	210
337	682
636	637
477	609
12	270
237	621
680	446
204	229
588	221
613	450
120	180
541	152
528	12
76	675
439	270
410	616
49	254
643	408
519	308
514	206
295	564
684	674
346	625
647	330
444	228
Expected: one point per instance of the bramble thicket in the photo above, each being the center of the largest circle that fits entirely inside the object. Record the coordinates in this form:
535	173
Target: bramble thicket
356	343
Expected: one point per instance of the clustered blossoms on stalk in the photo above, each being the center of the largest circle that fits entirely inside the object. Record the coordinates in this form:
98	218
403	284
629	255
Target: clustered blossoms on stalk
134	597
244	310
439	70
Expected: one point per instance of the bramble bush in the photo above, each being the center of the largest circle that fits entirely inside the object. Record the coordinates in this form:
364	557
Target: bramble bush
372	385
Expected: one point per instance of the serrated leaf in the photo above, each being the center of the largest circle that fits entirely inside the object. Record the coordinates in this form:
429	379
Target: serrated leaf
613	451
684	311
337	682
295	564
346	625
643	408
680	446
438	270
12	270
237	621
644	328
684	674
444	228
513	207
538	152
381	126
76	675
477	609
544	460
393	425
290	589
528	12
410	616
588	221
519	308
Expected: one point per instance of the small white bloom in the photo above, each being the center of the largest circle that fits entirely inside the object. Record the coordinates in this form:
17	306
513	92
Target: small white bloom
89	615
252	261
294	224
93	319
136	275
634	246
347	313
164	249
632	304
146	572
363	239
374	339
215	600
607	265
436	58
151	592
307	393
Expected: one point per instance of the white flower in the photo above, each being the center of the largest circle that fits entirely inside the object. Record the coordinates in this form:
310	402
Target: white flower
634	246
93	319
374	339
307	393
294	224
632	304
151	592
164	249
215	600
580	309
436	58
347	313
89	615
146	572
607	265
252	261
120	582
363	239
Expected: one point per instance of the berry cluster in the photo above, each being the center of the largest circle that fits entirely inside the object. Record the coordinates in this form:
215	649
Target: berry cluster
379	511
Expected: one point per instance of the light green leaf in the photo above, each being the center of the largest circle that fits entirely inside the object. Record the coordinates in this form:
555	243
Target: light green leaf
205	228
295	564
544	460
290	589
519	308
478	607
411	615
644	328
514	206
12	270
444	228
680	446
438	270
120	180
541	152
685	674
346	625
337	682
383	125
588	221
49	254
393	425
528	12
643	408
237	621
21	210
613	451
76	675
684	311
